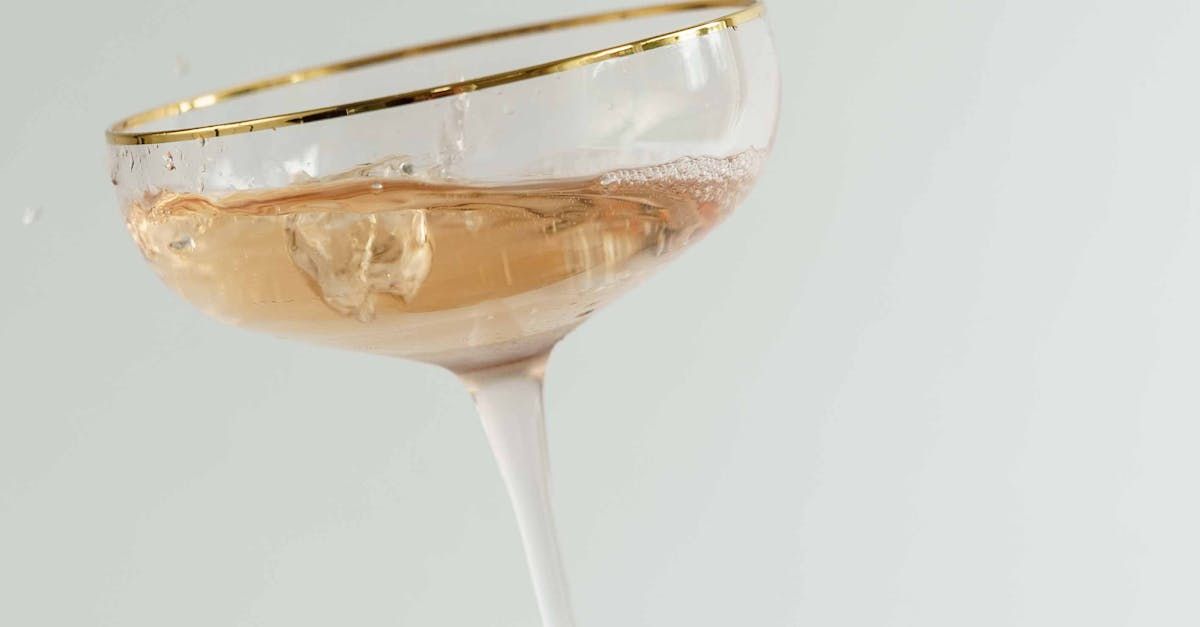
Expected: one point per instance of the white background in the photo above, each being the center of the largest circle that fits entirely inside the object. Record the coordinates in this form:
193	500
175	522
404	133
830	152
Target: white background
940	368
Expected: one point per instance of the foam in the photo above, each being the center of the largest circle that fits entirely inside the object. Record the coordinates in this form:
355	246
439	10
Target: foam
706	179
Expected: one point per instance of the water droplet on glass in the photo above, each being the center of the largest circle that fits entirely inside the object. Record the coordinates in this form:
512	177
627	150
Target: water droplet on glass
407	168
30	215
376	186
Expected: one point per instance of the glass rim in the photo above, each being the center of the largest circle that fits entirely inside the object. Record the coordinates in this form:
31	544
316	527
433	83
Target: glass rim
117	134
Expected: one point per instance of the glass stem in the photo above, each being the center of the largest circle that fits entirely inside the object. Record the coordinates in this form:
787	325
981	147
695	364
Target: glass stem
509	400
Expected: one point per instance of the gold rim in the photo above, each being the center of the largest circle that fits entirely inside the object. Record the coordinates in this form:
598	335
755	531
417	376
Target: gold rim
116	134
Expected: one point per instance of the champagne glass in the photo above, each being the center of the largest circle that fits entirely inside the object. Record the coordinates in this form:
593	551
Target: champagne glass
468	225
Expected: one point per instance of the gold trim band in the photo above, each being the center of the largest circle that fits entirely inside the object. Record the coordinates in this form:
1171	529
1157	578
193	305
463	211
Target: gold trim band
117	133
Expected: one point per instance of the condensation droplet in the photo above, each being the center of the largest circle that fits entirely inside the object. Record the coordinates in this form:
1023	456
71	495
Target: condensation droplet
407	168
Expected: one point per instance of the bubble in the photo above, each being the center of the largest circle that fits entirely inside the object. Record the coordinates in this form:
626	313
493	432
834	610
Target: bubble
703	178
376	186
184	243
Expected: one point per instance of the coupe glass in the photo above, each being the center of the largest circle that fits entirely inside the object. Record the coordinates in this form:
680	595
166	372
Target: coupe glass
468	225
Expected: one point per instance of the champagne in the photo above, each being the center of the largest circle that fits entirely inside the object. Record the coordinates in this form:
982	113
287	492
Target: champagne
464	276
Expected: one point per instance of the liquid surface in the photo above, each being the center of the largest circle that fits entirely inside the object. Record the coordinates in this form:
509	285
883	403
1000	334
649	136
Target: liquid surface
458	275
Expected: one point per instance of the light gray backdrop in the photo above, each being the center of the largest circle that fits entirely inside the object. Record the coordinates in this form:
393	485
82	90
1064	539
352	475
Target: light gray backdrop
940	369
